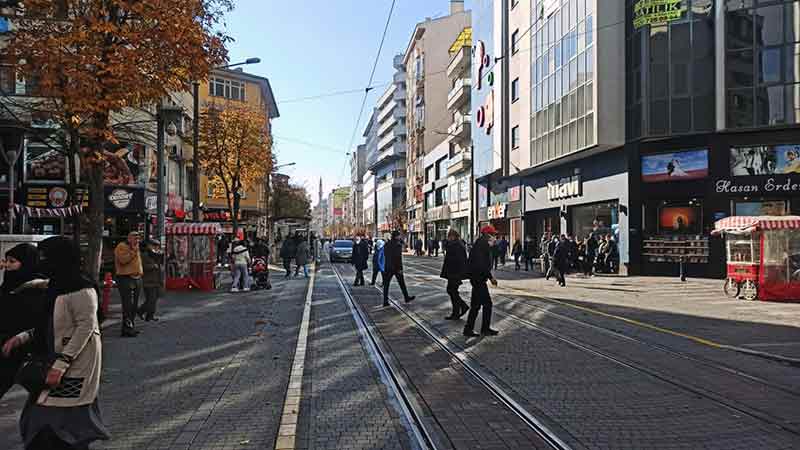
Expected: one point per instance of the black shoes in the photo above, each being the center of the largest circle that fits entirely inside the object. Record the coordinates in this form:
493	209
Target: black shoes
470	333
130	333
385	303
410	299
489	332
451	317
151	319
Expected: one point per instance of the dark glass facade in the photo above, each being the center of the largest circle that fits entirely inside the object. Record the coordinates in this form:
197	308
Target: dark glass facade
762	56
670	73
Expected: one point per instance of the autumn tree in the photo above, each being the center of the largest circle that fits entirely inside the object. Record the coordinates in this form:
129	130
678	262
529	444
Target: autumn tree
234	152
92	59
291	201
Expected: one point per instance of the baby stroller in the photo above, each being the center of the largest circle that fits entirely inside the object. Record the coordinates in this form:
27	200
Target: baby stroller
259	270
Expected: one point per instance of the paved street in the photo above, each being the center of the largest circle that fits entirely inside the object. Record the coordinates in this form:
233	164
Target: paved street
597	371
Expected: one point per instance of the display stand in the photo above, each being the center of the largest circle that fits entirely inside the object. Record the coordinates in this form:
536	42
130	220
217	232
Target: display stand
191	255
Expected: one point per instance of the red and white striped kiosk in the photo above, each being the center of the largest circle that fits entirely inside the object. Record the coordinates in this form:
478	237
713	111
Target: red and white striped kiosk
763	255
191	255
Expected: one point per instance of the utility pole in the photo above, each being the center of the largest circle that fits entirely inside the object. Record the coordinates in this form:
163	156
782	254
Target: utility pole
196	152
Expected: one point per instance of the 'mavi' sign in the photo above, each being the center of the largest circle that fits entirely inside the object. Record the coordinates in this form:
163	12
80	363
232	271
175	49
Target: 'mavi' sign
564	188
652	12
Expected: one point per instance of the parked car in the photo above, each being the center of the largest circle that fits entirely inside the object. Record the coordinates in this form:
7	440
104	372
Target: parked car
341	250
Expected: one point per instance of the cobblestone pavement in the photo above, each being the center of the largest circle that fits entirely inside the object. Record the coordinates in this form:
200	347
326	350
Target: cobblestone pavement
211	374
344	402
611	392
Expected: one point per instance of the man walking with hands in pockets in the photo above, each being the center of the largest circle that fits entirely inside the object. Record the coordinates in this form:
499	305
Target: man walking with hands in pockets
479	266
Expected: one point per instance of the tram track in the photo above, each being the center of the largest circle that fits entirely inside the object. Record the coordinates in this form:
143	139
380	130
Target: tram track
426	432
792	427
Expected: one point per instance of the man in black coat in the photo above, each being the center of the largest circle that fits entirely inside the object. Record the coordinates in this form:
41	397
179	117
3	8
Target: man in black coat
479	266
393	253
359	259
561	259
288	253
454	269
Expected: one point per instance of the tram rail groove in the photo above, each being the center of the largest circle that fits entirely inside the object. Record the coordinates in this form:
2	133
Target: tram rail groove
697	359
625	362
400	389
486	380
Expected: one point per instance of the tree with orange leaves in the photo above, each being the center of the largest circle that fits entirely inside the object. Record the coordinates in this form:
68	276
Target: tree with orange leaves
235	151
92	59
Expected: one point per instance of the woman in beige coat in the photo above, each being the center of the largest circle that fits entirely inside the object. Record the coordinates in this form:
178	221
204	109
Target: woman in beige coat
66	415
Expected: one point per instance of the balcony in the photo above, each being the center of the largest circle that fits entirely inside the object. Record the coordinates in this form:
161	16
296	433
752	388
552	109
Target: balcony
395	178
392	152
398	62
461	127
386	121
459	94
460	62
399	95
399	77
459	162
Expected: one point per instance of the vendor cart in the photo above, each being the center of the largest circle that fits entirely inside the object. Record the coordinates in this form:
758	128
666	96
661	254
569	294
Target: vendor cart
191	255
763	257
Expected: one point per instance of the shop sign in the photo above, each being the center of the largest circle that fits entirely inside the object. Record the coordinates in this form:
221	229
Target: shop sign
124	199
652	12
771	185
51	196
120	198
564	188
513	193
497	211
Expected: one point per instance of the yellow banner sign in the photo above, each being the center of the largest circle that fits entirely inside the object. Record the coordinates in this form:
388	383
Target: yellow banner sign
653	12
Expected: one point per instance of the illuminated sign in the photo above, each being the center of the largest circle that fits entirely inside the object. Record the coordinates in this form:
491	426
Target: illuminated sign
497	211
485	114
564	188
653	12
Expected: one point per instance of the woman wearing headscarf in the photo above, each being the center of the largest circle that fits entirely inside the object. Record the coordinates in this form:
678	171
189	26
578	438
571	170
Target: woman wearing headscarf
66	414
21	302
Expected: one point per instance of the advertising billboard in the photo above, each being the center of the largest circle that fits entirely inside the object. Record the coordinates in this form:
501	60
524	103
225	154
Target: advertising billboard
676	166
765	160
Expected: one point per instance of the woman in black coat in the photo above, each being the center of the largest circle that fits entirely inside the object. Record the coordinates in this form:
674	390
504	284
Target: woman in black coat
22	304
454	269
360	258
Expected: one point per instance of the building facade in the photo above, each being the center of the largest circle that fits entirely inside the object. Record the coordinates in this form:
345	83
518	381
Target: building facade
355	200
236	86
388	165
459	135
712	126
427	88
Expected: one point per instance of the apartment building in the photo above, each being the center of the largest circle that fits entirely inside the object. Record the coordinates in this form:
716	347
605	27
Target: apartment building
459	165
355	200
228	86
426	59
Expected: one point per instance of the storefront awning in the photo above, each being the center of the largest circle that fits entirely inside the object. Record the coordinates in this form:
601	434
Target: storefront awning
193	228
746	224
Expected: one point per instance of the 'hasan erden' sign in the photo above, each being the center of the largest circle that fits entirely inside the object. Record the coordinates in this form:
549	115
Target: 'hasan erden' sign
653	12
771	185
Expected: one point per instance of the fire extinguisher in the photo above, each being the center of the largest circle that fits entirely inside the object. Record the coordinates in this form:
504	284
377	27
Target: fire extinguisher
108	283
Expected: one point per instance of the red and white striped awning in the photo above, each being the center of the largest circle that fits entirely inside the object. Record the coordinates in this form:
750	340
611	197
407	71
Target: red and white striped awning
755	223
193	228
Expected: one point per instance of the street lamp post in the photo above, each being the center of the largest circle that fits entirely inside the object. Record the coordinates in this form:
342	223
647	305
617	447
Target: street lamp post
196	136
270	211
11	147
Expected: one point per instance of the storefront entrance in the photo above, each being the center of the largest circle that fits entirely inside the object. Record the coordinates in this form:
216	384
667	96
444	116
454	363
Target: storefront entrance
596	218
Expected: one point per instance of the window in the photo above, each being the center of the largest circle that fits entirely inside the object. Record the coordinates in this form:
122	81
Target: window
515	137
8	79
514	41
225	88
515	90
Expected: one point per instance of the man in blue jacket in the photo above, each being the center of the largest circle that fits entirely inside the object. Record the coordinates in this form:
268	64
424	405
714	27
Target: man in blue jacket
378	261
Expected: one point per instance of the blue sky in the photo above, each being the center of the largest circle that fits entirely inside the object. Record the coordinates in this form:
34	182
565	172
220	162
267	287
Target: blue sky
317	47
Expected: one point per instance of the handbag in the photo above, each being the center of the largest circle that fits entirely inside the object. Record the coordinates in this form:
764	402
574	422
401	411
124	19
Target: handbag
32	375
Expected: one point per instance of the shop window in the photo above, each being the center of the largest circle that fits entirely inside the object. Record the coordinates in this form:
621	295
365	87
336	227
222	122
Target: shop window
770	108
768	21
740	108
681	115
760	208
769	64
600	219
680	218
658	117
